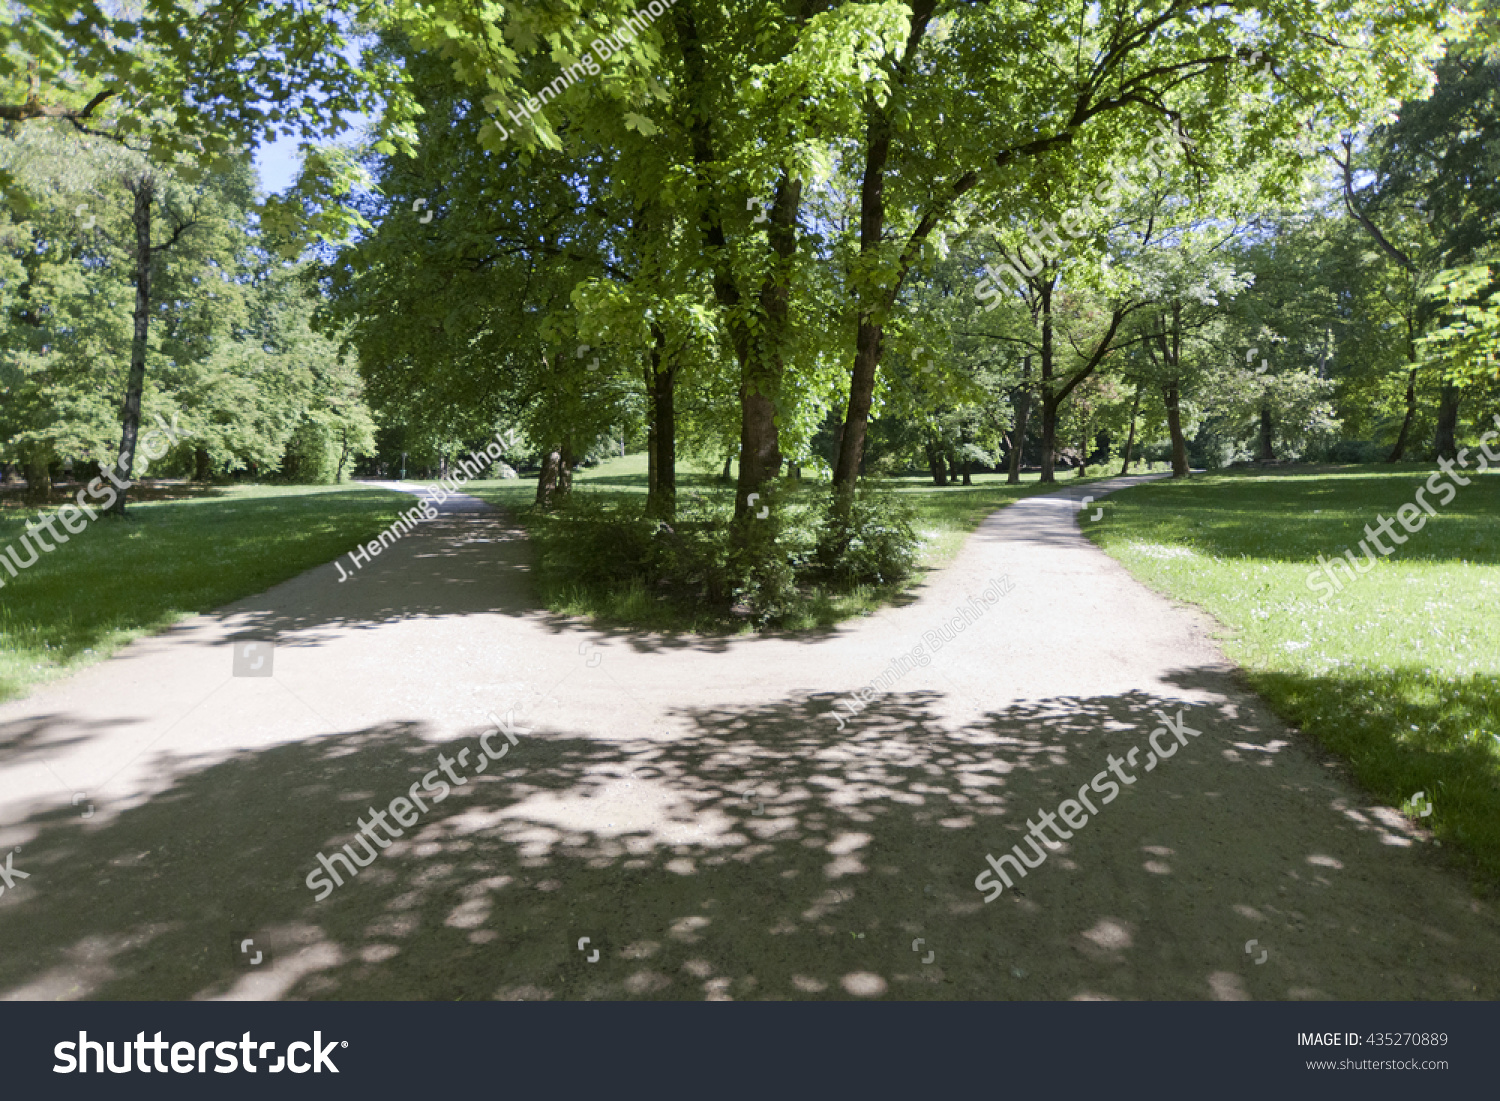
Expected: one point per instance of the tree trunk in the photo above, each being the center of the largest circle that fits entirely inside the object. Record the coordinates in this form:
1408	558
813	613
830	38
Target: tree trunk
968	464
143	187
935	465
566	463
1267	433
1135	408
871	332
728	471
547	481
651	490
764	363
1050	401
1049	439
661	496
1018	433
38	477
1411	414
1171	398
1447	425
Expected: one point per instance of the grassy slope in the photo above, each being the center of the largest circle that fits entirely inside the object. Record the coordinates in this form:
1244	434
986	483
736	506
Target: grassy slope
945	517
1398	672
118	580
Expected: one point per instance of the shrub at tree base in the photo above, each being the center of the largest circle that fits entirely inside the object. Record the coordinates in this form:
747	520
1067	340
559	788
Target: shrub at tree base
766	570
867	540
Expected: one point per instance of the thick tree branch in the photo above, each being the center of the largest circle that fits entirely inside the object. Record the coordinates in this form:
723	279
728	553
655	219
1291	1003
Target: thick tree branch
1346	166
31	109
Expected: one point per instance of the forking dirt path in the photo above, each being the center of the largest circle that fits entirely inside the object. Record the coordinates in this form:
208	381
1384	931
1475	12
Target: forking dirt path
692	807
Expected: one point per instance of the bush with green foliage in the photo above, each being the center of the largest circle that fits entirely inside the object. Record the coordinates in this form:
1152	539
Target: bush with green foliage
866	540
765	569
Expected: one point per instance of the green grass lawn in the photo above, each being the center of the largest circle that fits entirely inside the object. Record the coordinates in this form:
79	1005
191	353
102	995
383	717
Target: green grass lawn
944	518
1397	673
120	579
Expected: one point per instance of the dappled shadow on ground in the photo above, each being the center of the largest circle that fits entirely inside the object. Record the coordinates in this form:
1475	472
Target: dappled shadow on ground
1410	729
762	854
468	560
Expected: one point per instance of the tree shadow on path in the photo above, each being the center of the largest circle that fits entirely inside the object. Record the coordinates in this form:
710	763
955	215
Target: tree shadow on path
848	848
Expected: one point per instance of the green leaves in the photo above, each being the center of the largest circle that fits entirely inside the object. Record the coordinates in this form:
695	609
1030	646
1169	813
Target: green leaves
640	123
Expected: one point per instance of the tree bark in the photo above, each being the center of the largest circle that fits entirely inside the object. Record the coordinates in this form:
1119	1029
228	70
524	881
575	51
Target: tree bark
1135	409
143	188
1411	413
1449	400
1267	435
661	496
38	477
1049	440
1171	398
1050	401
936	465
1018	433
765	360
548	481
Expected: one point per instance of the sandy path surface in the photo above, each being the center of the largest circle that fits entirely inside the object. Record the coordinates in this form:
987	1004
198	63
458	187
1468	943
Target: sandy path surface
621	812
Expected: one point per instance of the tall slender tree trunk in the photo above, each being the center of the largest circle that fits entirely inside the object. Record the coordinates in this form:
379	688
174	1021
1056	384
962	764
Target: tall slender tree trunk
143	187
1049	439
661	497
1404	438
1267	435
1449	400
728	468
1135	408
1411	413
765	360
1018	433
1171	397
870	332
1050	401
869	336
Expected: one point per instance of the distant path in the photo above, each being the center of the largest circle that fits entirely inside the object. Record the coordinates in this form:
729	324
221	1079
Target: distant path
621	814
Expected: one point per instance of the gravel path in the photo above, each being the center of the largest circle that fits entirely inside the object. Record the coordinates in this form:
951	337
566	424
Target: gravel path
694	807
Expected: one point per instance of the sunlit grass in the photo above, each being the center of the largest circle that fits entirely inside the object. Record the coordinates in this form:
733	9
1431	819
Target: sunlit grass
120	579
